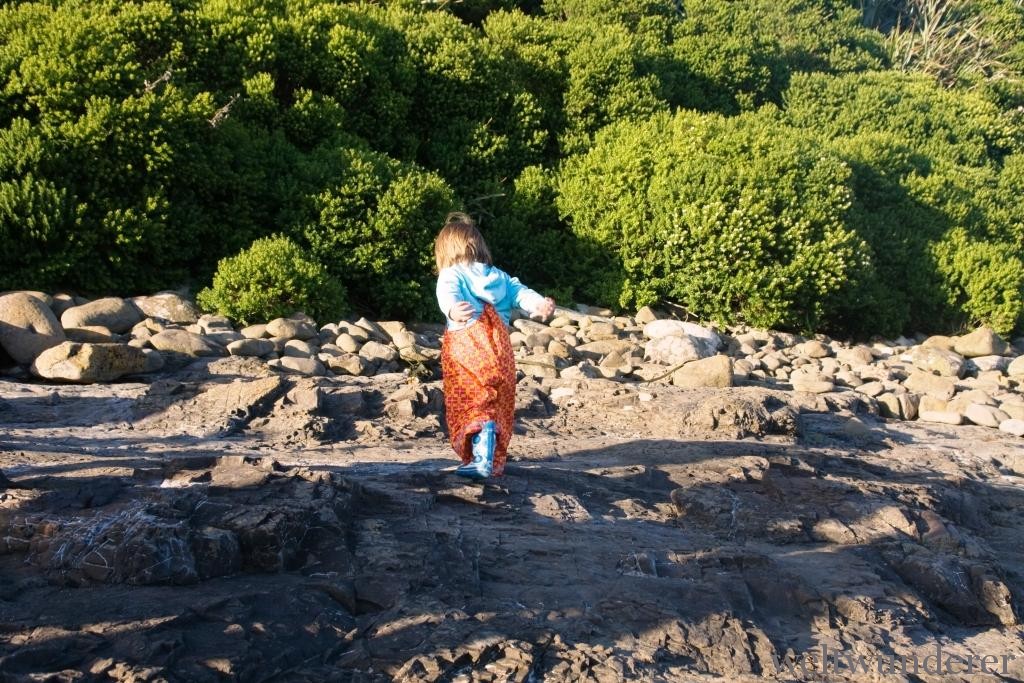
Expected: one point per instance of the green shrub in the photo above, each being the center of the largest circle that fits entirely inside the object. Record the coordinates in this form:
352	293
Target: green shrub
735	218
273	278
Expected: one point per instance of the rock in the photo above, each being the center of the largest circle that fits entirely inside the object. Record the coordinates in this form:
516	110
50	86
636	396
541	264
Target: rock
602	330
347	343
89	363
856	355
254	332
27	327
376	352
935	386
707	341
982	342
311	367
358	333
216	551
90	335
539	365
939	341
371	329
168	306
937	362
114	313
715	371
251	347
210	323
645	315
289	328
348	364
300	349
985	416
933	404
60	303
871	388
898	406
596	350
672	350
948	417
184	342
813	349
980	364
1016	367
1012	426
811	382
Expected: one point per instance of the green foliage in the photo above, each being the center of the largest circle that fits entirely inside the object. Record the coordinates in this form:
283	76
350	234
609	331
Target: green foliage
736	218
273	278
934	174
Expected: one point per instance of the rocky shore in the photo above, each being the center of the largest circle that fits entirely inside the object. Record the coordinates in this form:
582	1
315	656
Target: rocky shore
184	500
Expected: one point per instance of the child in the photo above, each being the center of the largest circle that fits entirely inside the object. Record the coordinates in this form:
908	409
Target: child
476	355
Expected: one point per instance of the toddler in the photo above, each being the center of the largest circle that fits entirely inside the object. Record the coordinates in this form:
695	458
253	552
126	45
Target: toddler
477	363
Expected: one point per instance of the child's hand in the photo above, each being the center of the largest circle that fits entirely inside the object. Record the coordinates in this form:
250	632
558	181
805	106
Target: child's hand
461	312
545	309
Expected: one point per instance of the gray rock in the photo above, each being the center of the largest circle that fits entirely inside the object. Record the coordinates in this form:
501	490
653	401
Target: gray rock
90	335
985	416
980	364
938	387
1016	367
223	337
348	364
254	331
251	347
948	417
672	349
596	350
347	343
209	323
856	355
168	306
184	342
813	349
871	388
114	313
937	361
90	363
300	366
811	382
289	328
715	371
939	341
1012	426
375	351
27	327
354	331
60	303
706	340
982	342
300	349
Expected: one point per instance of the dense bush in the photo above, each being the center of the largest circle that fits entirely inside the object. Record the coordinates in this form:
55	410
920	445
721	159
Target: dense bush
736	218
273	278
933	187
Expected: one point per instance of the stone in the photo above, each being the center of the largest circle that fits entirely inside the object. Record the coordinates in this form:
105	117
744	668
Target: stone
672	350
942	388
539	365
114	313
251	347
184	342
811	382
254	331
948	417
985	416
154	359
392	328
1016	367
937	361
311	367
349	364
888	405
61	302
645	315
813	349
932	404
222	337
1012	426
715	371
707	340
90	335
300	349
27	327
856	355
209	323
358	333
347	343
980	364
290	328
848	379
90	363
596	350
168	306
981	342
939	341
375	351
372	329
871	389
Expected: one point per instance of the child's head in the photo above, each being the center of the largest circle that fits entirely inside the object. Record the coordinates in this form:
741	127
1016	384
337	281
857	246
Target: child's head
460	242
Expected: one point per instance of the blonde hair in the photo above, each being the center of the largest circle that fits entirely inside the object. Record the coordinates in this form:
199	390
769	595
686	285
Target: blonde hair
460	242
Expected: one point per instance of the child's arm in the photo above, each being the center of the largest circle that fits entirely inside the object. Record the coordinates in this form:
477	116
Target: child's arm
530	301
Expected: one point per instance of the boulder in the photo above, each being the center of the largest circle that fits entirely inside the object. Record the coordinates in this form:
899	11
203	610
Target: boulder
813	349
27	327
939	341
290	328
947	417
184	342
596	350
986	416
251	347
114	313
715	371
856	355
935	386
90	363
93	334
1016	367
937	361
1012	426
672	350
706	340
299	366
254	331
168	306
347	364
812	382
300	349
982	342
375	351
645	315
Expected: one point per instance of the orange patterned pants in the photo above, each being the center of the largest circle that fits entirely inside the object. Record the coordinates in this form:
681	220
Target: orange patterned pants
479	373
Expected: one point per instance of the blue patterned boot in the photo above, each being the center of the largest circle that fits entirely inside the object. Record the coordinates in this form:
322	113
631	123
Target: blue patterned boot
484	442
